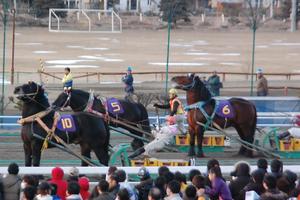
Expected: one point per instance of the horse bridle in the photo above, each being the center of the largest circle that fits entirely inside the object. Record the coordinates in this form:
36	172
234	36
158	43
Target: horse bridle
190	85
67	102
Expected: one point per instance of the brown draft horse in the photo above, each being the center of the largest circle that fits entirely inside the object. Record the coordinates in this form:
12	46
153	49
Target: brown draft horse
244	120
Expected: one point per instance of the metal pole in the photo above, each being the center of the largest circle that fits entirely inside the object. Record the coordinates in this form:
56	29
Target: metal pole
12	77
168	52
253	56
294	16
3	58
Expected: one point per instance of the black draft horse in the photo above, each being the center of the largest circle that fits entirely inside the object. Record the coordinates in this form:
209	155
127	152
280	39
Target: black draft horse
135	114
91	133
244	120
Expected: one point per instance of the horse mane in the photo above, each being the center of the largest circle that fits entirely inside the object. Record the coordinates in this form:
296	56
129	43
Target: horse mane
203	93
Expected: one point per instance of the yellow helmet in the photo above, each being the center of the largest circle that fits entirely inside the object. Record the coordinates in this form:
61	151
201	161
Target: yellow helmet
173	91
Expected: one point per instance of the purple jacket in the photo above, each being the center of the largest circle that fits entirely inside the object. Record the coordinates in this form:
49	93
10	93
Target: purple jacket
220	188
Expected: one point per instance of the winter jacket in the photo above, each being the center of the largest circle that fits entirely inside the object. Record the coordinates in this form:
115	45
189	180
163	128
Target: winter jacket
104	196
128	80
11	186
84	187
274	194
57	178
144	188
45	197
174	197
130	189
258	188
114	191
220	188
237	185
74	197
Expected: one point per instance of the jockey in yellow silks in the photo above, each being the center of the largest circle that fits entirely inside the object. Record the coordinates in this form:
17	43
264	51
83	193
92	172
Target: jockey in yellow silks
67	80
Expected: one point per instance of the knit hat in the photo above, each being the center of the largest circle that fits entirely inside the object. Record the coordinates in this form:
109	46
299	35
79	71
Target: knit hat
74	171
259	71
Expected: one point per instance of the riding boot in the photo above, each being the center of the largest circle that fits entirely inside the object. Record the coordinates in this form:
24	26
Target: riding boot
137	153
283	135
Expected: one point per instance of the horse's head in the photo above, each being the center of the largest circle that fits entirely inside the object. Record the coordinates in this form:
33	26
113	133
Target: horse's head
63	100
29	92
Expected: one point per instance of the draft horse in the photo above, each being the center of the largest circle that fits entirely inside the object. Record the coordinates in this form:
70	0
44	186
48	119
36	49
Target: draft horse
203	108
134	114
90	132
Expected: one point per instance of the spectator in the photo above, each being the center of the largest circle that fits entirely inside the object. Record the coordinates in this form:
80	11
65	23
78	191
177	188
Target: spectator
283	185
169	176
155	194
84	184
57	178
190	193
67	80
255	184
123	195
28	180
11	183
102	188
73	174
73	191
29	193
110	171
219	187
262	84
54	191
262	164
198	181
182	180
276	168
163	170
291	177
123	184
193	173
214	84
210	164
160	183
128	81
242	174
44	191
271	192
114	185
145	185
173	190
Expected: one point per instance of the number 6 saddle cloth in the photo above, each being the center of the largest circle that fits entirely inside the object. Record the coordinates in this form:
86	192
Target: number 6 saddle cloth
224	109
66	123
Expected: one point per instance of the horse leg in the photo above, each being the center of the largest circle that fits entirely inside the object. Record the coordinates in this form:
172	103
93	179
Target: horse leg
36	153
192	142
28	154
244	133
200	133
136	143
86	152
102	155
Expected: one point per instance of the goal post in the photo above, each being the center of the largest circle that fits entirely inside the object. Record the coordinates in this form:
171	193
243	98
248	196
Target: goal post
84	20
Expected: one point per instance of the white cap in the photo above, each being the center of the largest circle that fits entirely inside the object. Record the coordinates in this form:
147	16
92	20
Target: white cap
259	71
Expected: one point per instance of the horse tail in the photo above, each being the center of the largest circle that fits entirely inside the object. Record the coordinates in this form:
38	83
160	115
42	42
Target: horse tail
253	127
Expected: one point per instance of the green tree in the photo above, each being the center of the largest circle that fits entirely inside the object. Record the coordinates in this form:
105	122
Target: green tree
175	10
41	7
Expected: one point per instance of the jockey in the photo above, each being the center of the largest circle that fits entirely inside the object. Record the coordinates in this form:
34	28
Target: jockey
294	131
67	80
162	138
177	110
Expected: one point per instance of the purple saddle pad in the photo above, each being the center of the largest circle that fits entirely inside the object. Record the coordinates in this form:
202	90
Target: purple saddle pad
114	106
66	123
225	109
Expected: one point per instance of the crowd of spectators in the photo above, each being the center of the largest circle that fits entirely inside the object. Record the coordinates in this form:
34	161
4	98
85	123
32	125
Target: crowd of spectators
261	183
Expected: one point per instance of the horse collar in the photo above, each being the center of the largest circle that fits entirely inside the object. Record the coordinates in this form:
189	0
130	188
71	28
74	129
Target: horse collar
190	85
90	102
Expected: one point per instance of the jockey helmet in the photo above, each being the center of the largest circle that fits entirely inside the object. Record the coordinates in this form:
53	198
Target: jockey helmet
173	91
129	68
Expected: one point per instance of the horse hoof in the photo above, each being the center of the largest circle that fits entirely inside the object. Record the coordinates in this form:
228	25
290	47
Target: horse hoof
191	153
200	155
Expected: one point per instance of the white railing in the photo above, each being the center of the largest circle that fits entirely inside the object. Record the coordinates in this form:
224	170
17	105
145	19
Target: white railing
50	20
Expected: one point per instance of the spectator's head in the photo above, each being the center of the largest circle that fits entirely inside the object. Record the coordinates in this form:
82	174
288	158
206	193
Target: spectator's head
123	194
57	173
29	192
193	173
198	181
122	175
169	176
173	187
44	188
29	180
73	188
190	193
110	171
259	72
257	176
53	188
276	166
283	185
13	168
181	178
291	177
67	70
143	173
129	69
163	170
160	182
103	186
262	163
84	184
113	181
242	168
269	182
154	194
214	172
212	163
73	174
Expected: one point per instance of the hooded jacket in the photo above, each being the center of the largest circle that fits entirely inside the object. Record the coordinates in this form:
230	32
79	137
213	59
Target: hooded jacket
274	194
57	178
84	187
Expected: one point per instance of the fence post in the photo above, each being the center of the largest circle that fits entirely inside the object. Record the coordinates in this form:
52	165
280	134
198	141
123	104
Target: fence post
98	77
285	91
224	77
87	77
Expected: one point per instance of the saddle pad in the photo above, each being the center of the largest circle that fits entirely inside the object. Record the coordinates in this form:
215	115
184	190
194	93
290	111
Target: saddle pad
225	109
66	123
114	106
